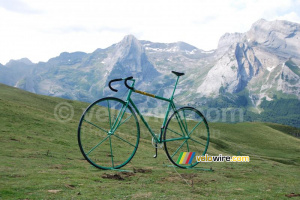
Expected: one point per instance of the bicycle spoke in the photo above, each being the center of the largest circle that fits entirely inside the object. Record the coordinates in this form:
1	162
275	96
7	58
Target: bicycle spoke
174	132
109	114
187	145
188	119
125	120
114	119
178	149
117	119
186	127
97	145
95	125
197	141
181	124
99	142
195	126
124	140
111	153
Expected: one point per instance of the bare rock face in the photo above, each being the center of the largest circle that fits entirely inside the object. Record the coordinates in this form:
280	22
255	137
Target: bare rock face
288	79
227	40
232	72
129	59
278	36
259	60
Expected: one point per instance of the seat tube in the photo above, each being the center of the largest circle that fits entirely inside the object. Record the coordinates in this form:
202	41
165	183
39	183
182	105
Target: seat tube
174	88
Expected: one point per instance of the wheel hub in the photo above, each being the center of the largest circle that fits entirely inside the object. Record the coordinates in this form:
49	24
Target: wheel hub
110	133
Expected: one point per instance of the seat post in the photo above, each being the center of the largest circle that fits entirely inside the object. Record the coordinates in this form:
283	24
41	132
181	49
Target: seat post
172	97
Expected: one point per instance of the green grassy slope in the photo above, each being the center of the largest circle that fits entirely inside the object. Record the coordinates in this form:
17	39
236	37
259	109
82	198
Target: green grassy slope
40	159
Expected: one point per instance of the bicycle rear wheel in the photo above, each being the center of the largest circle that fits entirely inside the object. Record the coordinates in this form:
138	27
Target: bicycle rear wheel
186	131
108	133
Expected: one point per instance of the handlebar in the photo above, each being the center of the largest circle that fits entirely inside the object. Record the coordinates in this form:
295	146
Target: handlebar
126	79
178	74
120	79
114	80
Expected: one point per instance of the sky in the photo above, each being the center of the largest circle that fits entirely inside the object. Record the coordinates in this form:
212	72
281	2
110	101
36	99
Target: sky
42	29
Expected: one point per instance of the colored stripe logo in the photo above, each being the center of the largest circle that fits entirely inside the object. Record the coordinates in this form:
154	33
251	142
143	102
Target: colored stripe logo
186	158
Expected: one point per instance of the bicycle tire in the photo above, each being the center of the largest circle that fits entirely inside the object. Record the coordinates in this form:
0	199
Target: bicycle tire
196	136
101	145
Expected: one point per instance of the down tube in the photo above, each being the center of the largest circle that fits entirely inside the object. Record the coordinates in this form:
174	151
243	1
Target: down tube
144	121
180	122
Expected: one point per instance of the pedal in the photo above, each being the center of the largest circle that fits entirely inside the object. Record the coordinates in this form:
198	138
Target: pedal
155	156
156	145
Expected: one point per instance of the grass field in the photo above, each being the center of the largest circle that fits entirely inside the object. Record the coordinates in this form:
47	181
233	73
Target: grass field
40	159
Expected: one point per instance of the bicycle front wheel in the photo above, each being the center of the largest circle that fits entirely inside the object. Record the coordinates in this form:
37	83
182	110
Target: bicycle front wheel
186	136
108	133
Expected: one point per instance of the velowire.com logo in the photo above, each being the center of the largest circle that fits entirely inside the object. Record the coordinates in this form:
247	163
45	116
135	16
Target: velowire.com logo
186	158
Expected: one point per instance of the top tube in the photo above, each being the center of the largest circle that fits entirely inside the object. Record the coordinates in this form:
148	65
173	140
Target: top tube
152	95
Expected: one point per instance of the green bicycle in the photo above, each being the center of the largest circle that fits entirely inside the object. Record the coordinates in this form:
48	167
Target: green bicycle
109	131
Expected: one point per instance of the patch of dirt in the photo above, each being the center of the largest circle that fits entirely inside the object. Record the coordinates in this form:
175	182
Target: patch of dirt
188	176
171	179
239	189
113	176
228	175
191	178
142	170
127	174
70	186
175	178
144	195
118	176
58	166
82	160
17	176
292	195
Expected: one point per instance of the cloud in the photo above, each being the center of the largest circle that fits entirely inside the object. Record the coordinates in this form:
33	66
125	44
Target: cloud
85	25
292	16
17	6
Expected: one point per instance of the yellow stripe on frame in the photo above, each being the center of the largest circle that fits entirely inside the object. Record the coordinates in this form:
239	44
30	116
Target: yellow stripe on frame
182	157
145	93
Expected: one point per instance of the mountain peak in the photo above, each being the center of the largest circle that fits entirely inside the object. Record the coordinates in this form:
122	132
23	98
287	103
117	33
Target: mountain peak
25	61
128	44
128	39
274	25
279	35
185	46
130	36
228	39
283	27
259	22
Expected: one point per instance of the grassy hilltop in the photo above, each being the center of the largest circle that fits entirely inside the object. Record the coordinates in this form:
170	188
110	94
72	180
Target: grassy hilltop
40	159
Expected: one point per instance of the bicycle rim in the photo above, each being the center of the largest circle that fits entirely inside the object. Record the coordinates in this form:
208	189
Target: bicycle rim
108	133
190	124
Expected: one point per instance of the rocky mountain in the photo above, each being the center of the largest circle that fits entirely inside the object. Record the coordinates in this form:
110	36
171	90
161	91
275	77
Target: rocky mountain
15	70
248	70
265	60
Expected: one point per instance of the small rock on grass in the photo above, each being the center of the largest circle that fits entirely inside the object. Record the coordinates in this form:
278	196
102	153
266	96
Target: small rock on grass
54	191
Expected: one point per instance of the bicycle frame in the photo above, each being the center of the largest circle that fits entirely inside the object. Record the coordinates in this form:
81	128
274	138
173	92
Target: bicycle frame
171	105
113	120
